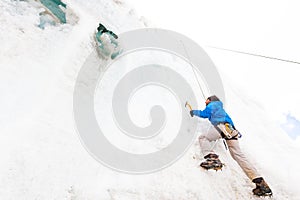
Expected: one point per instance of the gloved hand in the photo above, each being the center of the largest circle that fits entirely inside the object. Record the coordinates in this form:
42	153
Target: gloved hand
113	34
192	113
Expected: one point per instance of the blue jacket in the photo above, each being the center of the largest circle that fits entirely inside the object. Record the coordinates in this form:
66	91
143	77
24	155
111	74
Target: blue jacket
215	112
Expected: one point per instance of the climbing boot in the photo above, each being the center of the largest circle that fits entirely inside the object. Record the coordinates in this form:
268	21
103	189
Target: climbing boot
262	188
212	162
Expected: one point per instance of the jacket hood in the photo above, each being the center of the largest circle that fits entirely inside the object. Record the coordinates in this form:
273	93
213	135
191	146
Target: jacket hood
217	103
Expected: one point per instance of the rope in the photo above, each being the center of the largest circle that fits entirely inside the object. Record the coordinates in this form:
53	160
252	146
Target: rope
189	60
257	55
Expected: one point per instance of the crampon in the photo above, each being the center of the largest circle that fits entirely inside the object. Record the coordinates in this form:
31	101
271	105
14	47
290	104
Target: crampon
262	189
212	163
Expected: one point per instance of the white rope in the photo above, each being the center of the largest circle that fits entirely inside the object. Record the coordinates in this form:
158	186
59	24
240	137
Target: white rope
195	74
257	55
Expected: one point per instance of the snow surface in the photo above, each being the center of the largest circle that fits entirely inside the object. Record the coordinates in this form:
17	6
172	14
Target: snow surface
41	154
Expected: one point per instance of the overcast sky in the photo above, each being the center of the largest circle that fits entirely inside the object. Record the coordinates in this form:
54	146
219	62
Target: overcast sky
269	27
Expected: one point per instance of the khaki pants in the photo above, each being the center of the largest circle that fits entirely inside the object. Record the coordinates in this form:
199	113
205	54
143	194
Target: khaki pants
234	149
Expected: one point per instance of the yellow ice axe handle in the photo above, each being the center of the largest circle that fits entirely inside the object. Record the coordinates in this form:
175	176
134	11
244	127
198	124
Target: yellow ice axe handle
187	104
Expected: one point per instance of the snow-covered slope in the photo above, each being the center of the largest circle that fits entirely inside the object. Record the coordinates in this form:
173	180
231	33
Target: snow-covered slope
41	154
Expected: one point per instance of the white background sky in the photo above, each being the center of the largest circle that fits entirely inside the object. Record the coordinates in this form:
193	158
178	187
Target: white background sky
269	27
